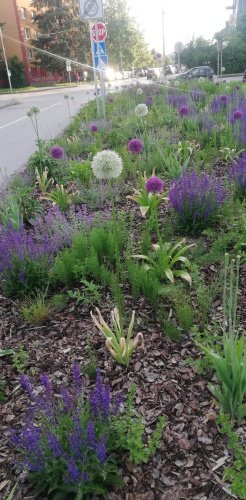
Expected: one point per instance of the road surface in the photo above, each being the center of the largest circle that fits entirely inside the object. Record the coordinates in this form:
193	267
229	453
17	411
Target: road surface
17	136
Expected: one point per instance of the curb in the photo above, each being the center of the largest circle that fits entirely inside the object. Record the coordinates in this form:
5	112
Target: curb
42	89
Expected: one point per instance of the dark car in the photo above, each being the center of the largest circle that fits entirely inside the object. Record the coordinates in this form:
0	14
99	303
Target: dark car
198	72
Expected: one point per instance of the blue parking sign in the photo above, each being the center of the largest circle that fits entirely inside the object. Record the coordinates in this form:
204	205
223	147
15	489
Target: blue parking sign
103	58
101	49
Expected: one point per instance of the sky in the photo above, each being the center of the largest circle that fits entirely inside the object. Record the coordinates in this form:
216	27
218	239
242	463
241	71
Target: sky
183	19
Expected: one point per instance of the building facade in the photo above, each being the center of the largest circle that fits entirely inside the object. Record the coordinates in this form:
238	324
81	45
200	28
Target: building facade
17	16
238	7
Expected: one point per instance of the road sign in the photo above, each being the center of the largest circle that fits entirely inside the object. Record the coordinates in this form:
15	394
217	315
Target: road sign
100	50
101	32
97	60
179	47
91	9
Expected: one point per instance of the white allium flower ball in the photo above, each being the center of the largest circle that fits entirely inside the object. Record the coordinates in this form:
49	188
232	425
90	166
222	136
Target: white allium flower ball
139	91
141	110
201	79
107	165
176	83
167	82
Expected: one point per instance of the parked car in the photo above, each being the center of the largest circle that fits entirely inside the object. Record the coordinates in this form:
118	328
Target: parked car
197	72
153	73
140	72
169	70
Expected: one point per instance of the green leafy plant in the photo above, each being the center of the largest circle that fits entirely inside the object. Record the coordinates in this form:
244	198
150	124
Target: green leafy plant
20	360
37	310
185	316
10	213
43	182
164	259
80	171
230	365
6	352
120	345
62	197
90	295
236	472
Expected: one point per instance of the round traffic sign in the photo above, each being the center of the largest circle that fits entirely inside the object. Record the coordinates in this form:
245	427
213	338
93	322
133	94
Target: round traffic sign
101	32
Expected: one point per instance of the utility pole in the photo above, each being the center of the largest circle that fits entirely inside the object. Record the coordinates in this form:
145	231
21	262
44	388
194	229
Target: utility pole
163	40
6	62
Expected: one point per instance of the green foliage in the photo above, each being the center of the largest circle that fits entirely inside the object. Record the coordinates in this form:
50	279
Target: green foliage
17	69
10	214
144	282
170	329
90	367
185	316
36	274
62	197
79	171
37	310
29	206
64	267
230	365
58	301
43	182
164	259
129	433
41	160
68	33
236	472
90	295
20	360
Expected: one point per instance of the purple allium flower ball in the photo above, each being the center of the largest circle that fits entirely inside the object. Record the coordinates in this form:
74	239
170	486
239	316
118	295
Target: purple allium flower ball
184	111
110	99
237	87
149	100
237	115
158	56
135	146
154	184
94	128
57	152
223	98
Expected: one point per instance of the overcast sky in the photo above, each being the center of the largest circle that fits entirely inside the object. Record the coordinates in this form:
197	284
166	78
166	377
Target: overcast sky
183	19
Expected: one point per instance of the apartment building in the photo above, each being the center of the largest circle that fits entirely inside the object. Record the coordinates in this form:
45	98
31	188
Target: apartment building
238	7
18	18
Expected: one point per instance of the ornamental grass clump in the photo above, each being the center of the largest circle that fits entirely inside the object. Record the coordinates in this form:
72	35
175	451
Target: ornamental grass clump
196	198
72	444
237	175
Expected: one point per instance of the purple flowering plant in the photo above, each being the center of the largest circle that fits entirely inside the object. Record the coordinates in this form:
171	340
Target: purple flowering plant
150	195
72	444
196	198
237	174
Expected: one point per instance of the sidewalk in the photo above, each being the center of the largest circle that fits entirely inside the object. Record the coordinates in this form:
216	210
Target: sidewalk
6	104
43	89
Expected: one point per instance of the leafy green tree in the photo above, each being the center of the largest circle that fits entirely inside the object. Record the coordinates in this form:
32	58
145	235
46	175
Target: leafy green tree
126	45
17	72
199	52
61	32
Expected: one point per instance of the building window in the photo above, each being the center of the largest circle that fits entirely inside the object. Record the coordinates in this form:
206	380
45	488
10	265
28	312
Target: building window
23	12
31	54
27	33
34	35
33	14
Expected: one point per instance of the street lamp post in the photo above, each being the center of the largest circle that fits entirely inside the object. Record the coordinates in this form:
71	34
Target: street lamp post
6	62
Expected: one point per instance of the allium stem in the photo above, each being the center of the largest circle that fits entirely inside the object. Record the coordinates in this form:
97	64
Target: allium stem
118	294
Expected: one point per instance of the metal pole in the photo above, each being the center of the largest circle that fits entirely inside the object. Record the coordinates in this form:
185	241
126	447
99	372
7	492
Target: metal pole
218	59
6	62
221	56
163	40
101	72
94	71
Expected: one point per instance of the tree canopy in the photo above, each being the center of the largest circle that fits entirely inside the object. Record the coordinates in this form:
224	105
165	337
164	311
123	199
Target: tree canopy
126	45
61	31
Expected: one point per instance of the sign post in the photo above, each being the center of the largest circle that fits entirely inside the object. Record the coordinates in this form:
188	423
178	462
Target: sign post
179	47
68	67
93	10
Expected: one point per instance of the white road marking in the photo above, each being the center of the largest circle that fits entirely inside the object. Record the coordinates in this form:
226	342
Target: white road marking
25	117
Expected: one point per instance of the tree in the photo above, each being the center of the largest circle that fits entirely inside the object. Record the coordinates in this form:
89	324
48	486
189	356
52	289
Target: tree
126	45
199	52
60	31
17	69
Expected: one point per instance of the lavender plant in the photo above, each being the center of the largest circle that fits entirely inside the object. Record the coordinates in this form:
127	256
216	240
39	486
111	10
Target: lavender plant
196	198
237	174
72	445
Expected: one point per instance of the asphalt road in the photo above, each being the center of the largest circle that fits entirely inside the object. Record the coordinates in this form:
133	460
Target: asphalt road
17	136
